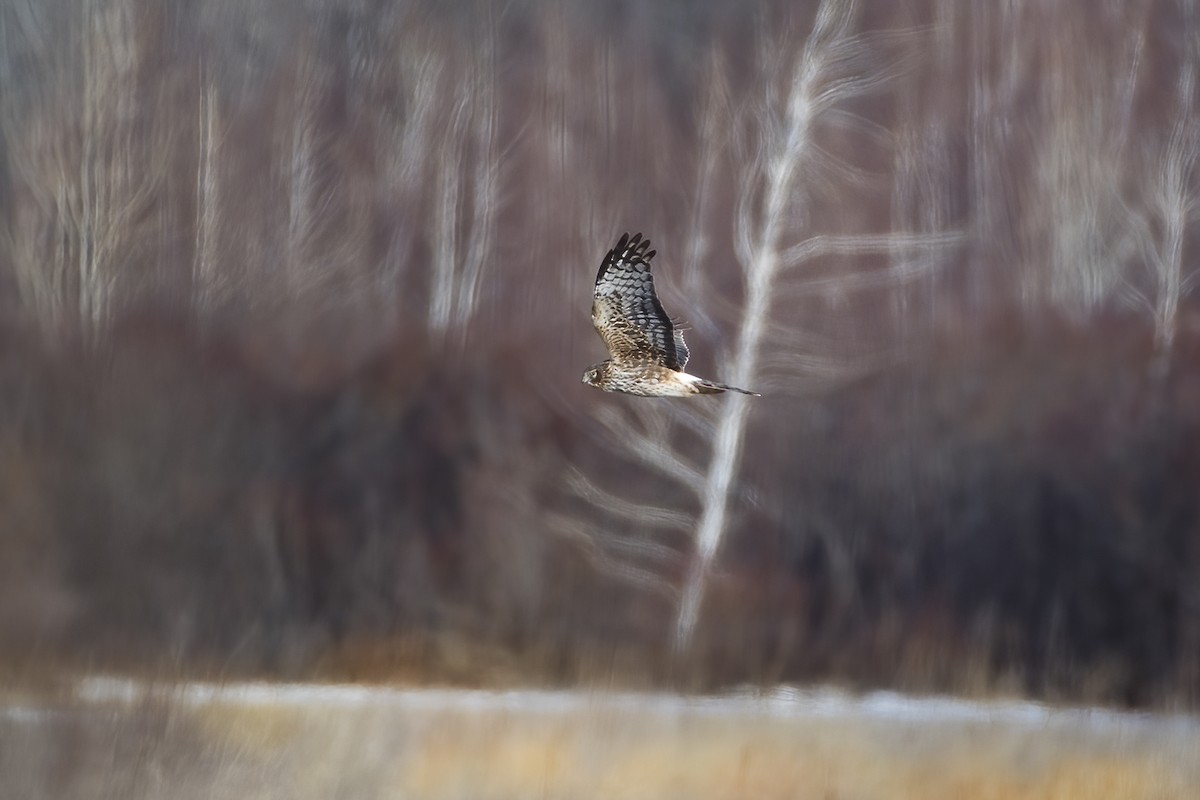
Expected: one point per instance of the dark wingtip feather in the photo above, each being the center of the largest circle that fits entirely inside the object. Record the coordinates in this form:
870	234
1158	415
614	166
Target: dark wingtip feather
635	245
634	248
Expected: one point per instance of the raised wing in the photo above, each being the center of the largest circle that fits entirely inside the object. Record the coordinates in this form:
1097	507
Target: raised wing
627	313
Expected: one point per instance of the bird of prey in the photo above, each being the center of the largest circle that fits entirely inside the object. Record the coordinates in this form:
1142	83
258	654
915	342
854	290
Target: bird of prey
646	349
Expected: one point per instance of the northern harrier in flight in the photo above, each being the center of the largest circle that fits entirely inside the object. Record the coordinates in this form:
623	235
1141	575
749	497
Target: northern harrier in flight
647	350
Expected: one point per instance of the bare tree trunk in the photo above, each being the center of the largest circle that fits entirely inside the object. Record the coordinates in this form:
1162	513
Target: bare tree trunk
302	190
92	156
446	222
1161	206
698	448
205	279
715	120
405	154
1175	201
485	178
761	264
469	169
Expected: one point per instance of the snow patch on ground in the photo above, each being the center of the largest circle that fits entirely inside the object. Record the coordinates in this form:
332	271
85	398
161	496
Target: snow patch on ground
783	702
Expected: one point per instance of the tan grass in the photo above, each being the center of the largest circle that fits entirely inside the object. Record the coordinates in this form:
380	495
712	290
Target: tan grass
492	748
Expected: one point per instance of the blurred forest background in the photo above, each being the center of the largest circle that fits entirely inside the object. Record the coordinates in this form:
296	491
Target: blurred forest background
294	304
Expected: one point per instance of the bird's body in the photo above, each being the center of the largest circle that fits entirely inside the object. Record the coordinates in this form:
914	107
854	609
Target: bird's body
650	380
648	354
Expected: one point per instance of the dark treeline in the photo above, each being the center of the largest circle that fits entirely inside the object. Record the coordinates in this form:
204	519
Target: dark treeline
294	305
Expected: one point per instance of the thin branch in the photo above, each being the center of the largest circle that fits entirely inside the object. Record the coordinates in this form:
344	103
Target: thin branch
590	539
655	516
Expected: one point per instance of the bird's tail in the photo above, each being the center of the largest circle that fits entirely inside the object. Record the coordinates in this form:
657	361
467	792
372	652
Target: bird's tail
712	387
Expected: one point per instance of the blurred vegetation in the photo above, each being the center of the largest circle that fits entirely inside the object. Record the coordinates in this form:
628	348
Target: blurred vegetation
171	505
293	309
298	742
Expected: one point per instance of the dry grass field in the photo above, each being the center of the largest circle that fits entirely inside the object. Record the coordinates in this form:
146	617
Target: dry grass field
114	739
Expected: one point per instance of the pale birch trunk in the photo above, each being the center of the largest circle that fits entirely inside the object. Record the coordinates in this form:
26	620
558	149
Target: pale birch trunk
205	277
1173	204
92	156
466	196
783	153
301	190
697	447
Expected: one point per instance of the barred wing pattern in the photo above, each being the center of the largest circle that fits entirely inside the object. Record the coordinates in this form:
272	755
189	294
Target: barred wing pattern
627	313
646	350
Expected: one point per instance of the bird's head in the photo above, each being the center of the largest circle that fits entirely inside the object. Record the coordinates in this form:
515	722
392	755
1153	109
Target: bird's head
593	374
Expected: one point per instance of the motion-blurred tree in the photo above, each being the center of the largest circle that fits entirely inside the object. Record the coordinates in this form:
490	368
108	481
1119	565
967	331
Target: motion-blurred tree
778	184
90	162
